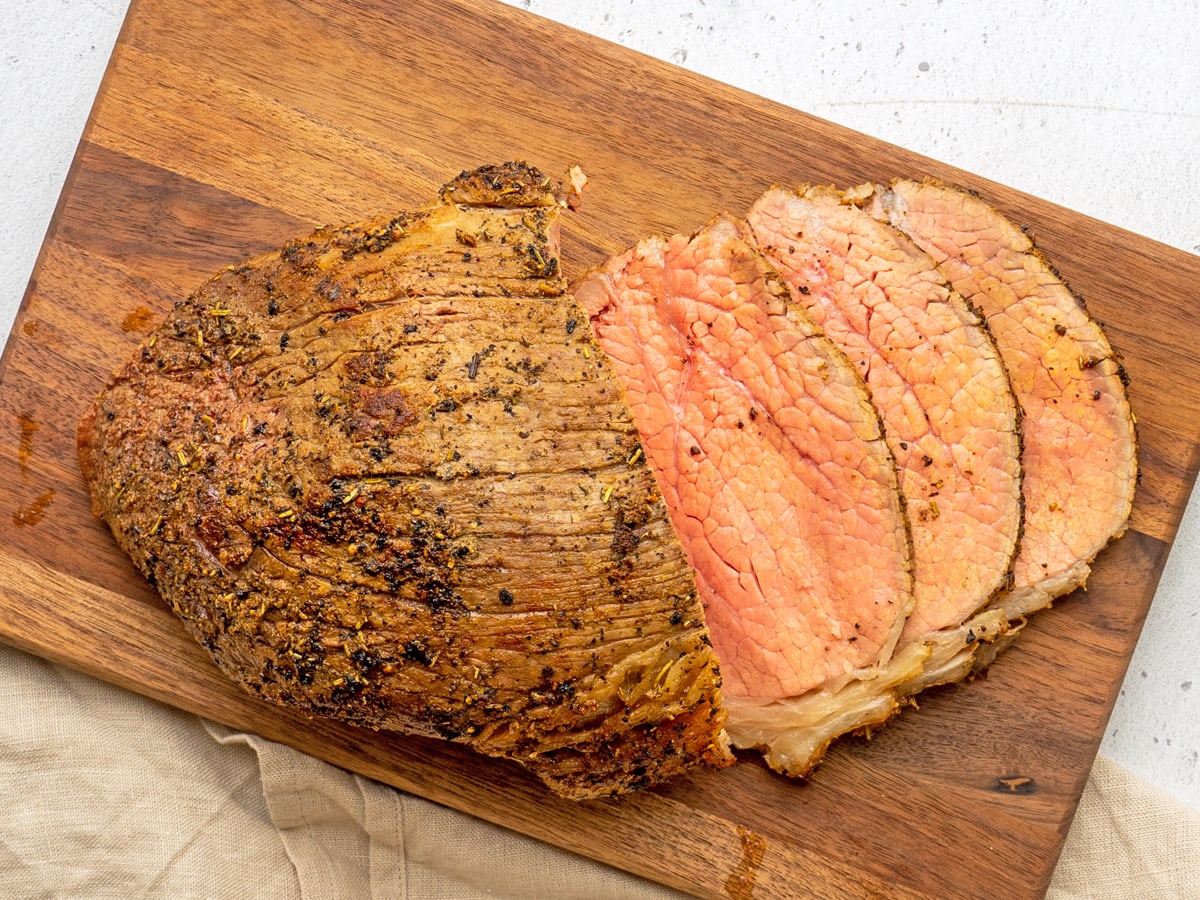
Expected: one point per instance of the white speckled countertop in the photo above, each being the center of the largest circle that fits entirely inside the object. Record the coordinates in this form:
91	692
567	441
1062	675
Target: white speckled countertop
1092	105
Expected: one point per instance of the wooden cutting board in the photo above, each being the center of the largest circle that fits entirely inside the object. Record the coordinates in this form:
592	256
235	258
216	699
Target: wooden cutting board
224	128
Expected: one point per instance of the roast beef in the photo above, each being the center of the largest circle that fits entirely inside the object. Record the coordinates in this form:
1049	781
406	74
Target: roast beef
1080	445
396	474
386	475
948	410
773	463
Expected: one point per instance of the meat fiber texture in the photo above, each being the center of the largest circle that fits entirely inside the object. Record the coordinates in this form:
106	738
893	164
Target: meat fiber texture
943	391
972	384
386	475
1080	454
773	461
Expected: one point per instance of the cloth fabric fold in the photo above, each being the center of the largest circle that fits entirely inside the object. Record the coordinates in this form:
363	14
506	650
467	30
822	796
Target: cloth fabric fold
349	836
109	794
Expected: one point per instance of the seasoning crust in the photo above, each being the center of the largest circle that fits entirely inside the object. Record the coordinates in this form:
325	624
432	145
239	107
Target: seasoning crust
386	475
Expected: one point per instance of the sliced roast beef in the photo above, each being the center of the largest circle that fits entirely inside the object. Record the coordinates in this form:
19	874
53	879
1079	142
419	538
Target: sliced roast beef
772	460
397	475
936	376
1080	445
386	475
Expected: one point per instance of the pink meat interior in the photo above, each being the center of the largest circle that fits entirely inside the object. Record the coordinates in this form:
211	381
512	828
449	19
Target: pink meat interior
769	455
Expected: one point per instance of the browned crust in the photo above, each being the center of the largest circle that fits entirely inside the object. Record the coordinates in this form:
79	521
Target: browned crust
385	475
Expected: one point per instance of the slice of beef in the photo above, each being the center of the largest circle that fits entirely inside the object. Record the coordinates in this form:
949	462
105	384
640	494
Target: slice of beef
772	461
948	409
386	475
1080	445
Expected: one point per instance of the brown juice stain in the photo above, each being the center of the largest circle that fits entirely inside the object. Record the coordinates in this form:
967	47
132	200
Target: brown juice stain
25	445
32	514
39	332
137	319
740	883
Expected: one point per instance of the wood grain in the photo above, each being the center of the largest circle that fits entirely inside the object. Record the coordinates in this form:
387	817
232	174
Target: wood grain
224	128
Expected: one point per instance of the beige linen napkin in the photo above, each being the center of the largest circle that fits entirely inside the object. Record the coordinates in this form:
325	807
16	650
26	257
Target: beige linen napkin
348	836
1130	841
106	794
